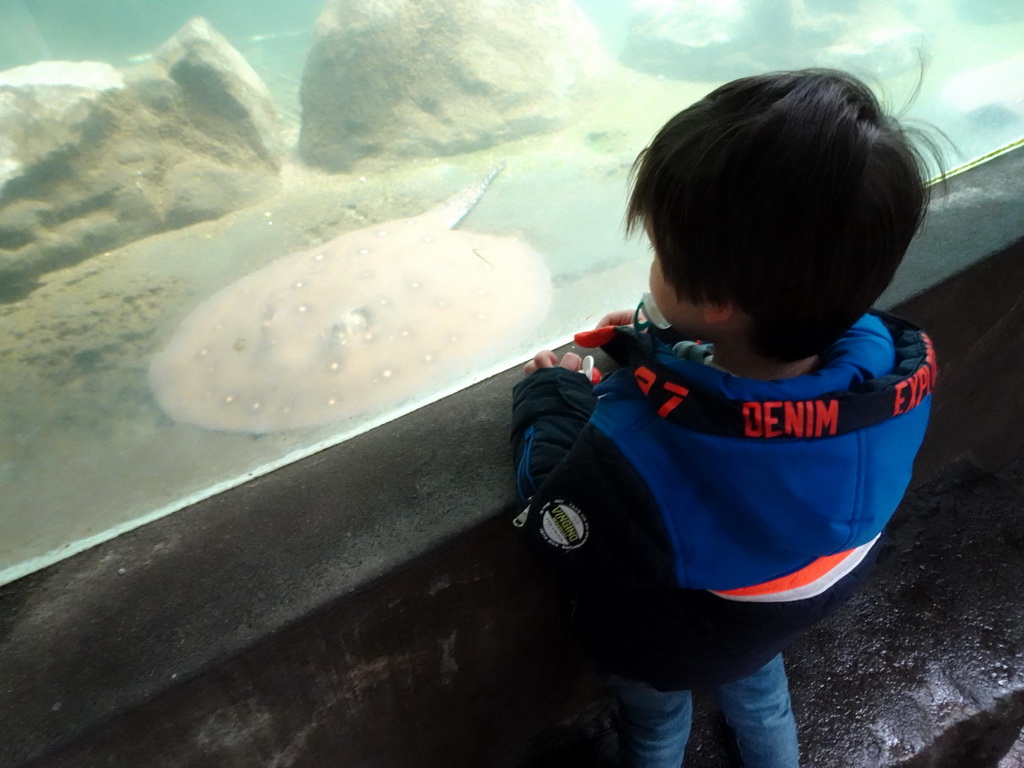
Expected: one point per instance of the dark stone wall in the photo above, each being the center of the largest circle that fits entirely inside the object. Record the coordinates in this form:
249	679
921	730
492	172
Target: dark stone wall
452	660
977	322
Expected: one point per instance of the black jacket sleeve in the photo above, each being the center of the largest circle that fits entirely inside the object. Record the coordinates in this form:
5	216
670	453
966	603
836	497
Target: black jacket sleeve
549	408
590	515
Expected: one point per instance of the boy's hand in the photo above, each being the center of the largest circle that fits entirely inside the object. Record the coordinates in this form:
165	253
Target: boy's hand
548	359
605	332
618	317
570	361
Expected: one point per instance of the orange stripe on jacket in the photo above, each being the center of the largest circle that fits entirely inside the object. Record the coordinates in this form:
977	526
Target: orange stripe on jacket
797	579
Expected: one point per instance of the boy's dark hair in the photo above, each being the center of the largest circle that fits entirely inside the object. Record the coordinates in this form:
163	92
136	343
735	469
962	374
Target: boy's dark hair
791	194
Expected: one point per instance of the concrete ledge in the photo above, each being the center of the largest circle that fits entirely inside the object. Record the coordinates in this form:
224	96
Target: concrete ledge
439	663
369	606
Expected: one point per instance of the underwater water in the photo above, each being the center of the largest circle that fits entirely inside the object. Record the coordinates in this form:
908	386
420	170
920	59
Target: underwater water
96	439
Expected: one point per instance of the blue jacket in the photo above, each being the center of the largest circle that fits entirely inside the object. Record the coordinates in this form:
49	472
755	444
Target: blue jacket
673	477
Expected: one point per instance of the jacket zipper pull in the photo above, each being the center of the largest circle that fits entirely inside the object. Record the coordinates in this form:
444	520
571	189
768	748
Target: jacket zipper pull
520	519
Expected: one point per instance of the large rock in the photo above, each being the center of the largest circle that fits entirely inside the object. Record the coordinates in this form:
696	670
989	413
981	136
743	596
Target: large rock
721	40
879	53
991	95
982	109
92	157
439	77
221	90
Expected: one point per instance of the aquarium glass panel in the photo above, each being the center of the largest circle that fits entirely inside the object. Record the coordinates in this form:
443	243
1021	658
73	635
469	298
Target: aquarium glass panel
232	234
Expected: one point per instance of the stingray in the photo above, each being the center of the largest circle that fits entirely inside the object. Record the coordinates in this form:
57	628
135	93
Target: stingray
358	325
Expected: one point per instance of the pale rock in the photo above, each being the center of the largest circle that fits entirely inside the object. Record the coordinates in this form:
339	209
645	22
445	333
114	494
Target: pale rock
93	157
439	77
84	75
988	94
45	107
719	40
218	81
982	109
879	53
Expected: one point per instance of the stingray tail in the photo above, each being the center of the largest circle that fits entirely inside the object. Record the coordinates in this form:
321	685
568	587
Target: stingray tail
454	210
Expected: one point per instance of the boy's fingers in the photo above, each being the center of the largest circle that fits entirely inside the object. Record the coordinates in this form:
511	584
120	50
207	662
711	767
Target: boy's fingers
548	359
543	359
619	317
572	361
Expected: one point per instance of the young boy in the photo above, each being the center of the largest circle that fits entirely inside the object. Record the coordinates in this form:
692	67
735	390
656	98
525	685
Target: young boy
712	500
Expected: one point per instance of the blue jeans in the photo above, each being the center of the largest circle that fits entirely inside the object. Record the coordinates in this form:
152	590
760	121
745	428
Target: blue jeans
654	725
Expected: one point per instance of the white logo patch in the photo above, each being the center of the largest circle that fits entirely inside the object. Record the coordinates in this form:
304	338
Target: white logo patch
563	524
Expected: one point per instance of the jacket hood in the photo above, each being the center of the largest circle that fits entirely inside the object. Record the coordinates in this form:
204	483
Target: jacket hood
882	367
756	479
